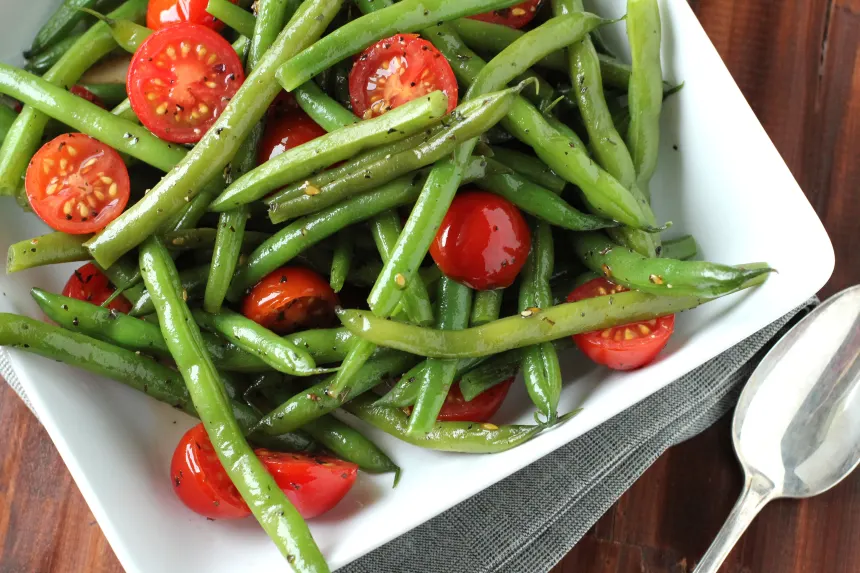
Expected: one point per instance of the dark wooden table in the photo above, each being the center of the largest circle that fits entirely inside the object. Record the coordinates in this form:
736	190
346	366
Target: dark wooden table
798	63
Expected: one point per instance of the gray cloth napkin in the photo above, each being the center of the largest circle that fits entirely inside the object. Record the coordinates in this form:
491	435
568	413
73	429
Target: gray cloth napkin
529	521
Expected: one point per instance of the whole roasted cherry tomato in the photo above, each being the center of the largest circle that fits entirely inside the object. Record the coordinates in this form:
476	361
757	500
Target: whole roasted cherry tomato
291	298
516	16
396	70
180	80
622	347
77	184
88	283
161	13
285	131
83	92
314	484
480	409
483	241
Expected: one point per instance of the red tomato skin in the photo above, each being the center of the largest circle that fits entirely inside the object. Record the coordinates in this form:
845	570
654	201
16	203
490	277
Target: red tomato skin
48	191
290	298
516	16
172	83
89	284
163	13
201	482
83	92
483	241
419	55
480	409
286	131
314	484
621	354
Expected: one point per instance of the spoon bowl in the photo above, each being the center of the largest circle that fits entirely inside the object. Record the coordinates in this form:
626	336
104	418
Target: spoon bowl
796	429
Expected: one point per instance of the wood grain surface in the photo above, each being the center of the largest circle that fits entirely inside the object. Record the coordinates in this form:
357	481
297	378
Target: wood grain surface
798	63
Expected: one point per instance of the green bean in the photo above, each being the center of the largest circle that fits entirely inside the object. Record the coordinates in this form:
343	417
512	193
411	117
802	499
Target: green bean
466	437
7	118
491	39
124	274
541	371
529	167
454	308
60	24
110	94
321	108
42	62
234	16
416	301
486	307
645	94
405	392
123	110
682	248
279	353
341	260
193	282
284	245
341	144
319	400
351	445
204	238
218	146
47	249
127	34
661	276
540	202
25	135
493	371
257	487
79	114
517	331
403	17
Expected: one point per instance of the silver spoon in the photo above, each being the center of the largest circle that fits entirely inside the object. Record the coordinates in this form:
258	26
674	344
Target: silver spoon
796	429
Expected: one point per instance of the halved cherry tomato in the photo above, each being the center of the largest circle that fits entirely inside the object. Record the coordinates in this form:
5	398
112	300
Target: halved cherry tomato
83	92
77	184
161	13
180	80
285	131
483	241
291	298
396	70
480	409
88	283
516	16
314	484
622	347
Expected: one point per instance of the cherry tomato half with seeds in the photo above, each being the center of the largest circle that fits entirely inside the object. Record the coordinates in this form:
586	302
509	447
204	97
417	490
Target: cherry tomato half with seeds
162	13
624	347
291	298
516	16
396	70
479	409
89	284
285	131
180	80
83	92
77	184
483	241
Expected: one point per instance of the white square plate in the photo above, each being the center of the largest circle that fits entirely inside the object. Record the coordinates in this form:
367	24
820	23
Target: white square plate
725	183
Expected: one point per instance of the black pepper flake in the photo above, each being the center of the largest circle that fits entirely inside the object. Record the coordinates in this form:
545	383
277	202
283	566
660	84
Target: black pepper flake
75	321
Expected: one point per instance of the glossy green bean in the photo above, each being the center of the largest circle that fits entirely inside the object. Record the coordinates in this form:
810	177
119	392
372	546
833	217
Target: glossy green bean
192	281
319	399
48	249
110	94
218	145
25	135
682	248
43	61
279	353
493	371
303	160
351	445
517	331
60	24
204	238
405	392
486	307
321	108
465	437
257	487
529	167
661	276
341	260
234	16
127	34
405	16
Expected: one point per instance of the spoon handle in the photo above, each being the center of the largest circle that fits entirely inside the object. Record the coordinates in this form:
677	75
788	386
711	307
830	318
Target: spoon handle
757	491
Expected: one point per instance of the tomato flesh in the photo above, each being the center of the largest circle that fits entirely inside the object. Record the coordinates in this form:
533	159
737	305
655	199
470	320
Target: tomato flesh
285	131
314	484
624	347
396	70
483	241
88	283
180	80
291	298
162	13
76	184
480	409
516	16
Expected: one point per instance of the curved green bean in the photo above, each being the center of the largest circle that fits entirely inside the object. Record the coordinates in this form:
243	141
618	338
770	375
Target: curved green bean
529	167
111	94
48	249
493	371
405	392
682	248
42	62
341	260
321	108
127	34
192	281
234	16
60	24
